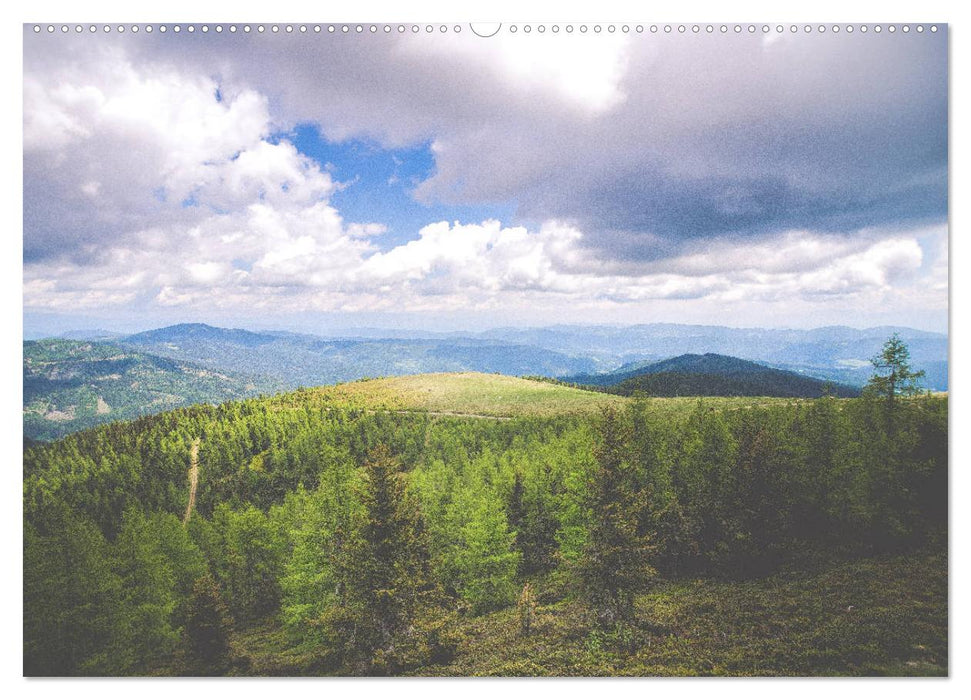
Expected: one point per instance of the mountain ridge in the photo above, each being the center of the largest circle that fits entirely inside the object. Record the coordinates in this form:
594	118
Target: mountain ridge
714	374
212	364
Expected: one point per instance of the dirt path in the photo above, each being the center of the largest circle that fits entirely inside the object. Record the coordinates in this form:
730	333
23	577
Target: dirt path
434	414
454	414
193	479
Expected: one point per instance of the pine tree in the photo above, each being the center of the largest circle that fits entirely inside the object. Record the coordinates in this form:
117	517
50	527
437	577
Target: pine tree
149	587
615	562
74	622
535	525
385	568
894	375
482	559
250	564
207	629
659	510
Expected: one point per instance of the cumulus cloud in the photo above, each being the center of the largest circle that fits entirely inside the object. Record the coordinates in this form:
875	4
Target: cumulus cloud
111	149
646	171
632	137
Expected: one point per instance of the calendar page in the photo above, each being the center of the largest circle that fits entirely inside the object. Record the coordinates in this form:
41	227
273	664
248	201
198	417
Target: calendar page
513	349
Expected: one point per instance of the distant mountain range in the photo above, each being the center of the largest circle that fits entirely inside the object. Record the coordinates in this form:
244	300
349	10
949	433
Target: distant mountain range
712	375
308	360
837	353
69	382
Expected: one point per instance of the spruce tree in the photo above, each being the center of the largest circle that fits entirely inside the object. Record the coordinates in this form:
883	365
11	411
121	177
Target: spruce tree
482	559
207	629
894	375
148	587
535	525
385	564
74	608
615	562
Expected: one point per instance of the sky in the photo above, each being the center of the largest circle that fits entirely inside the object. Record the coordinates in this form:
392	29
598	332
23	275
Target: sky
447	181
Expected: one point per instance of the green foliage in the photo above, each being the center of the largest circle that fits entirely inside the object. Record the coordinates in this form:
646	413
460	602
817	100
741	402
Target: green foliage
343	531
248	562
207	629
480	561
894	376
73	616
383	568
316	524
615	563
531	515
149	587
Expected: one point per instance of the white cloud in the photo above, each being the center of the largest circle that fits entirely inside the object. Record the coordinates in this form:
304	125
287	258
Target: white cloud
586	77
149	178
309	259
111	149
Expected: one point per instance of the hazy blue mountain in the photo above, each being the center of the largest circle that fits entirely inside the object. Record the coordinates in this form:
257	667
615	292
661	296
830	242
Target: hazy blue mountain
96	334
713	375
70	385
838	353
195	335
296	359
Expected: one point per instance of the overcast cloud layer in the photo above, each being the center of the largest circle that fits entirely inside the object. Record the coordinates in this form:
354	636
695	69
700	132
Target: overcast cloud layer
780	180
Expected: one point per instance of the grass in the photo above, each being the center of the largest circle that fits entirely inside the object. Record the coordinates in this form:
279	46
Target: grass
492	395
871	617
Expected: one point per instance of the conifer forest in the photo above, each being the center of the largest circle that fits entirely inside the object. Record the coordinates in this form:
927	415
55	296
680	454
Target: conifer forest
556	531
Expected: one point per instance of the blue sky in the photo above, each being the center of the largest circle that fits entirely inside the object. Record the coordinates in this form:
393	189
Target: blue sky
378	184
758	178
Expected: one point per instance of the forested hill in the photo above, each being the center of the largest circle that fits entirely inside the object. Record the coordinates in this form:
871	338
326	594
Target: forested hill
471	524
70	385
713	375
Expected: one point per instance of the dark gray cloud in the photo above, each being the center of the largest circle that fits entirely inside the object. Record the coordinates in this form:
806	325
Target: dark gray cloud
714	135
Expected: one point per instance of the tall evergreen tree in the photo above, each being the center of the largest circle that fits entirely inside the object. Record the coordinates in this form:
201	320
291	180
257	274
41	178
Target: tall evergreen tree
207	629
385	568
481	558
149	587
616	559
532	518
250	564
74	621
893	374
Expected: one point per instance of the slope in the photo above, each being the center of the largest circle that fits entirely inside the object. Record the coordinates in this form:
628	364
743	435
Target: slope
835	353
71	385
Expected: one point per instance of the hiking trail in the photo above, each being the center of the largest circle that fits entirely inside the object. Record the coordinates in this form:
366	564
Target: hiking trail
193	479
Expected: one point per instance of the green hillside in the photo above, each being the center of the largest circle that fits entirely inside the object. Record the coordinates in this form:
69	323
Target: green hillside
464	393
493	396
70	385
471	524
